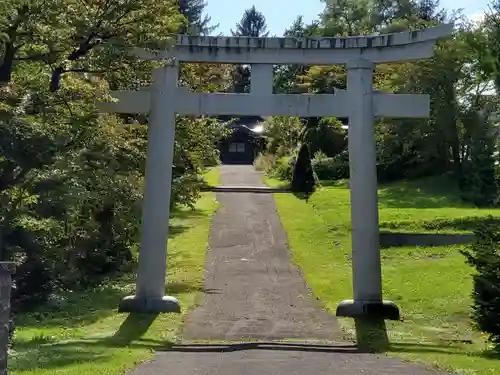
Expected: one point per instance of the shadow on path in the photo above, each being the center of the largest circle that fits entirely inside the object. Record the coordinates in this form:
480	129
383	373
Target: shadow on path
281	346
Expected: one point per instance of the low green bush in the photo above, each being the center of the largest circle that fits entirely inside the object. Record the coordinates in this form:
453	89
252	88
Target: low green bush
330	169
283	170
265	162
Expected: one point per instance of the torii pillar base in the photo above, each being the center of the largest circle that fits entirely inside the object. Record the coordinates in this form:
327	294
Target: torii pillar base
373	310
145	305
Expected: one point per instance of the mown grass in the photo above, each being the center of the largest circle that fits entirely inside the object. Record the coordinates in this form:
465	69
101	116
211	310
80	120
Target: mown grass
85	334
212	176
432	286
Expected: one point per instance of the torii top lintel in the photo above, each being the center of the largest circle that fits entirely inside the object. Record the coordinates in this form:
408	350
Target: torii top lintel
393	47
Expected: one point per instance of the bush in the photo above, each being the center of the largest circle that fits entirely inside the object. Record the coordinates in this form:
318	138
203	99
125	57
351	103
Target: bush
303	179
330	169
484	256
334	168
283	170
264	162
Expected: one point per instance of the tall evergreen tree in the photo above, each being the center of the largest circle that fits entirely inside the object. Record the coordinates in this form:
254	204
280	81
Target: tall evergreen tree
197	22
252	24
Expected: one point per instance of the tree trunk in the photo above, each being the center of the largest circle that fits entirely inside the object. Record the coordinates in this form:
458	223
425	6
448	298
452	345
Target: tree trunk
55	80
8	64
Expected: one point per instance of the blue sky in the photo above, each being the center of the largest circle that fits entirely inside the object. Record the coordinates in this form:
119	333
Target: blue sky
281	13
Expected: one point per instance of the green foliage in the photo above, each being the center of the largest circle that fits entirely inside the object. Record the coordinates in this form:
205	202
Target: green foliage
253	24
283	134
330	169
279	168
283	170
459	72
479	181
303	179
196	22
325	135
484	256
265	162
70	177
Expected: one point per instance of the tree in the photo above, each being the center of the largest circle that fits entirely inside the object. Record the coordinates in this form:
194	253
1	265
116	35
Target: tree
252	24
282	134
484	257
303	180
71	177
196	22
91	37
286	75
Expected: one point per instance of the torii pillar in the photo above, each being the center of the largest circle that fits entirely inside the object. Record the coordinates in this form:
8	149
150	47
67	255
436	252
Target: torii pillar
151	275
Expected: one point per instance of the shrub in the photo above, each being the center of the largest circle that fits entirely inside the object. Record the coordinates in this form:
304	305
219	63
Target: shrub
283	170
484	256
264	162
319	155
330	169
335	168
303	179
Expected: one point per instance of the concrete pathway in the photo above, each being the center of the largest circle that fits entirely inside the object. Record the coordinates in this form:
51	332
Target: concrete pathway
255	292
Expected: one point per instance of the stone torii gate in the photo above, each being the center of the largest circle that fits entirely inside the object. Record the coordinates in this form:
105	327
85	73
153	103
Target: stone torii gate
360	103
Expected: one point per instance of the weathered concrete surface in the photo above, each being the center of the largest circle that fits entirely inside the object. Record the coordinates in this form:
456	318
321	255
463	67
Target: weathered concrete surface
254	291
277	362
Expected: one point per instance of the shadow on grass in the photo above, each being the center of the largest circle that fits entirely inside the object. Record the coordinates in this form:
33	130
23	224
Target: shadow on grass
79	309
468	223
179	214
132	329
302	196
371	335
463	223
424	193
76	308
31	355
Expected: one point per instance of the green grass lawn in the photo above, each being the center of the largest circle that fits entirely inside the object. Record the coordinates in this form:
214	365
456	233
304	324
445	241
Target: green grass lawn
86	335
211	177
432	286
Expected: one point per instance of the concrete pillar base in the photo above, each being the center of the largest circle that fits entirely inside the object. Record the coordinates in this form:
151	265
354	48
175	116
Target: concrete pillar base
368	309
144	305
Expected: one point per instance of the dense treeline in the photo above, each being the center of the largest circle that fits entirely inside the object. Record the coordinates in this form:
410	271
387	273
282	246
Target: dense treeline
71	177
459	138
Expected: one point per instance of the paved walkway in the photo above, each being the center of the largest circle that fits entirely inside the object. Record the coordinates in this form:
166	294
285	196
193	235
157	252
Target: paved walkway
254	292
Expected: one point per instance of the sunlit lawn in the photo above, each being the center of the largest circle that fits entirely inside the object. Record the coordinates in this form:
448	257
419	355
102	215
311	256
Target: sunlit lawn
86	335
432	286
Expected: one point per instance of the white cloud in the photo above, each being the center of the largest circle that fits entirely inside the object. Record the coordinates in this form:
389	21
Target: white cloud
476	17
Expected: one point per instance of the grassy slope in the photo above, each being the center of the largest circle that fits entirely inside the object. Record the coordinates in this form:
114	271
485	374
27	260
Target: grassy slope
86	335
432	286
